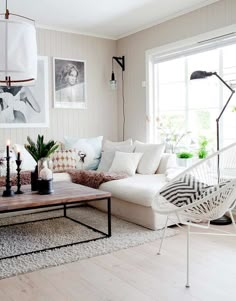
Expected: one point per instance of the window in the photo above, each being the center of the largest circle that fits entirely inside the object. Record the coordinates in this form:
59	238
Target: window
184	110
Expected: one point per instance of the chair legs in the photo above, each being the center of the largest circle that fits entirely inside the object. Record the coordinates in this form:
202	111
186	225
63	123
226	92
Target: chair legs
163	236
232	218
188	246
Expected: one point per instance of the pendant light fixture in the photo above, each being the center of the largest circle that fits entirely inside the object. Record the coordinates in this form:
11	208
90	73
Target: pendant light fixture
18	50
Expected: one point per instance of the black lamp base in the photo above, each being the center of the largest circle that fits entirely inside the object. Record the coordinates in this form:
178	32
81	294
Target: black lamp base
222	221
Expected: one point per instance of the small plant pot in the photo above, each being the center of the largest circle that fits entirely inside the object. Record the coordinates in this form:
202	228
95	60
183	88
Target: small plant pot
184	162
45	186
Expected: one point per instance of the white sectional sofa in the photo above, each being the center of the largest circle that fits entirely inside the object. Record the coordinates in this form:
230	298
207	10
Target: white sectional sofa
134	197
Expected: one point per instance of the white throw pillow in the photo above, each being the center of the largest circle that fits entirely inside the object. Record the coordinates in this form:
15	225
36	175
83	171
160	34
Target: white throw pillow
108	156
151	158
3	161
108	145
125	163
92	147
28	162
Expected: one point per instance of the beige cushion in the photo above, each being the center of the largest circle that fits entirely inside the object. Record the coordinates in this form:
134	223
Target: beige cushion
125	163
138	189
64	159
151	157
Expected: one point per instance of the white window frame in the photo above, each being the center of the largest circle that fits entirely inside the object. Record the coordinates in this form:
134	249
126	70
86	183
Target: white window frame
207	41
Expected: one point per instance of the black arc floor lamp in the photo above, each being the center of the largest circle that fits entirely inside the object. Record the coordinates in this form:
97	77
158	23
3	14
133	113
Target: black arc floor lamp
121	62
224	220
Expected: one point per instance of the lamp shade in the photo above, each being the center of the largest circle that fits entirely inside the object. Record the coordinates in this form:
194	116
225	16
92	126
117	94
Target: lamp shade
18	53
201	74
113	83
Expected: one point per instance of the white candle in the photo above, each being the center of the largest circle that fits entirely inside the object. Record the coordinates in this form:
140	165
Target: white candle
8	145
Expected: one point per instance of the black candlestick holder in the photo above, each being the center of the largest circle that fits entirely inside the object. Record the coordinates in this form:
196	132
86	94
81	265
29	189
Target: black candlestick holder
8	192
18	183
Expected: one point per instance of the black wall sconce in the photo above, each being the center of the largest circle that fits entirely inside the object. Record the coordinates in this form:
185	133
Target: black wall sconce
113	84
121	62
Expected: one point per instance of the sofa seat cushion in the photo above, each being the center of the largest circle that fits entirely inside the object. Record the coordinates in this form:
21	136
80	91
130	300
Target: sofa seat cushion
61	176
138	189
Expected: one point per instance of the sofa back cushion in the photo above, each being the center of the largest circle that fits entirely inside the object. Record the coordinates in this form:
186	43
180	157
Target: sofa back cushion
110	145
3	161
151	158
168	161
91	147
28	162
125	163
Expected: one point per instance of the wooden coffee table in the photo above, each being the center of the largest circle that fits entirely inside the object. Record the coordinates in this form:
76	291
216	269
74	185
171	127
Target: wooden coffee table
66	194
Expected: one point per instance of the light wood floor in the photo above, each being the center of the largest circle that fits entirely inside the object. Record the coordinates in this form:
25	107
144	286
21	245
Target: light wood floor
137	274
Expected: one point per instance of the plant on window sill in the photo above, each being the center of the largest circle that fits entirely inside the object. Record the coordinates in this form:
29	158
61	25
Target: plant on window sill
171	134
184	155
202	151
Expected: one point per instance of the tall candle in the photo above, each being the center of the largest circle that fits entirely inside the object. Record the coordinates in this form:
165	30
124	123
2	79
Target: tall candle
8	145
18	155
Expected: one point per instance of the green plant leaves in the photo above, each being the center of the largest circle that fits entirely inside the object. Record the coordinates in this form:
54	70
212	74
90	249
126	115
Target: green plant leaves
184	155
41	149
202	152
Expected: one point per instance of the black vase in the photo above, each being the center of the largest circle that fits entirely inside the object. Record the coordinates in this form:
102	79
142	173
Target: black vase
45	186
34	179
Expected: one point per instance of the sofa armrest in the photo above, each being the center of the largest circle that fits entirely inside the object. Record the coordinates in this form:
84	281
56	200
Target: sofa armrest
171	173
168	161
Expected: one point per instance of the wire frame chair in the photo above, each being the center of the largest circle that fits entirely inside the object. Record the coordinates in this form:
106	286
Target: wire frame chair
218	173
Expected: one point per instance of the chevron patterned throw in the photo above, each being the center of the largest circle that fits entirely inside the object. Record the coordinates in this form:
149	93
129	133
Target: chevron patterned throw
183	191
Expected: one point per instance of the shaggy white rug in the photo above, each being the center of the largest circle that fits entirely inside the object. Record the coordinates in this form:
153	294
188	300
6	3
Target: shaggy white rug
43	234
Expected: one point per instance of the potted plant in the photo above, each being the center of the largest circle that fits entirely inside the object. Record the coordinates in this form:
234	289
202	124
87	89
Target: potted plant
184	158
202	151
41	152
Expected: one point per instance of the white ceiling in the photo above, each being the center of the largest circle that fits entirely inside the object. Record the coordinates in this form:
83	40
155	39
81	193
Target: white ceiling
105	18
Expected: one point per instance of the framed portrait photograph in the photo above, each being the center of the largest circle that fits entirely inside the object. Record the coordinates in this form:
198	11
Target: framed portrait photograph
69	83
23	107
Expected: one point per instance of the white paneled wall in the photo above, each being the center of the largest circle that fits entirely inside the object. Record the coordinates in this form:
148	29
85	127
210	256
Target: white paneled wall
100	118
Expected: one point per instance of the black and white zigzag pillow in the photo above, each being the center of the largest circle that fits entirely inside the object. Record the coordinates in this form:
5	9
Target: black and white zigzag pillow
213	188
183	191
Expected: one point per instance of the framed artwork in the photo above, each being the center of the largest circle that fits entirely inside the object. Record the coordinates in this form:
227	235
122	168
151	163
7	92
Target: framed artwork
69	83
24	107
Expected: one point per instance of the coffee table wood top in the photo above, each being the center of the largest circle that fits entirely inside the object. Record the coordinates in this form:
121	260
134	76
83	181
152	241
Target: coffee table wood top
64	192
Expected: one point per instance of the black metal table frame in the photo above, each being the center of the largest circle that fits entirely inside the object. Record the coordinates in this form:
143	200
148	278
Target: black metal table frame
64	208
